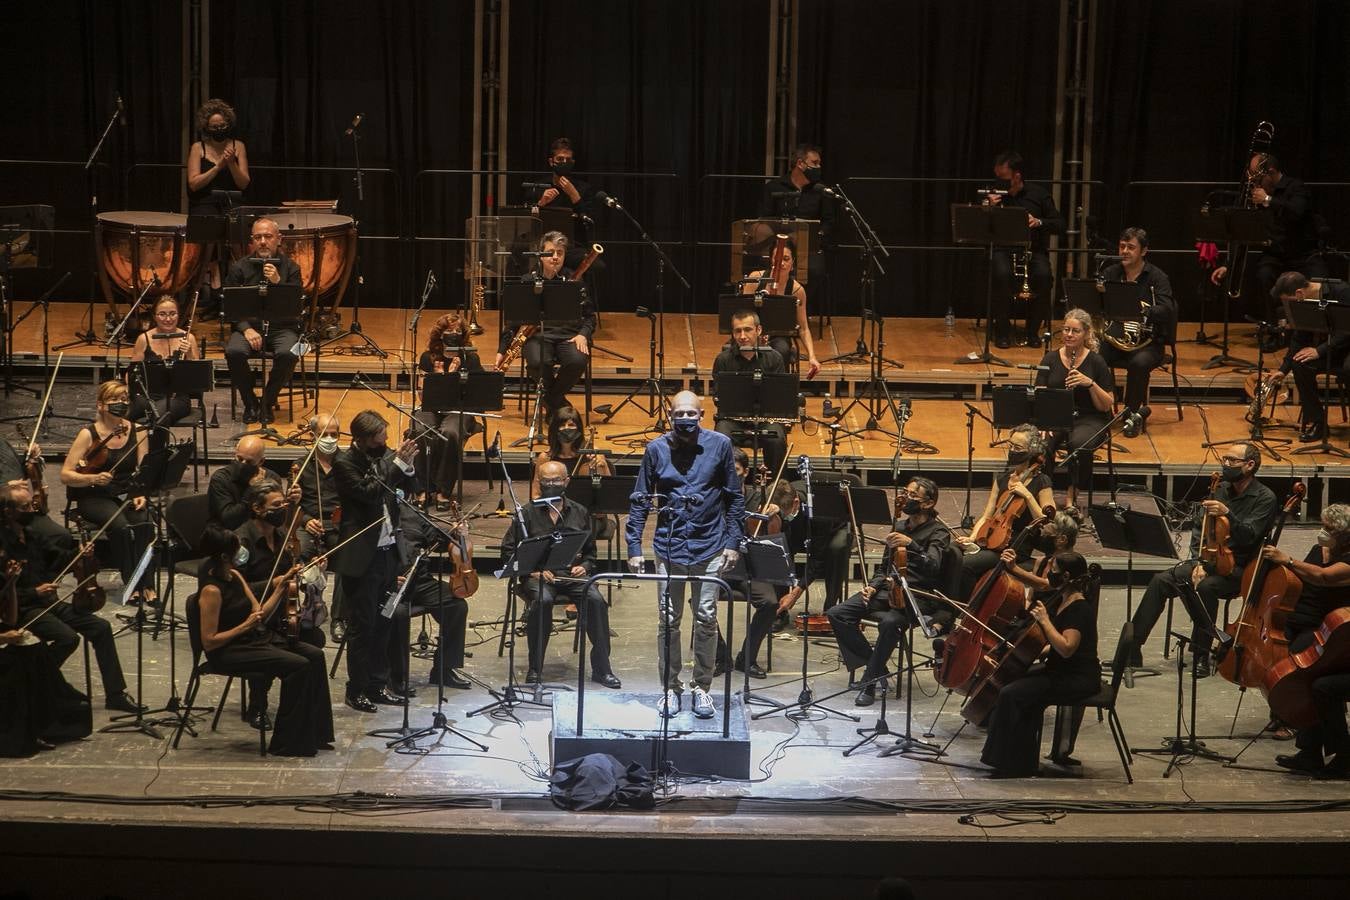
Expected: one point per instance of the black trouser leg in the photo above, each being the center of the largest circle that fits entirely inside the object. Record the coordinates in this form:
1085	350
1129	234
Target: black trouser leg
539	596
279	341
1138	365
367	660
845	619
237	355
571	366
891	625
128	535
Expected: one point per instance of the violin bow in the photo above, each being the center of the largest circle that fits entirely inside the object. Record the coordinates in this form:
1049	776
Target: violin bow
42	410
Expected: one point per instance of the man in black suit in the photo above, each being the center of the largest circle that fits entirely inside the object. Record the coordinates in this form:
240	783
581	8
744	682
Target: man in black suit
263	265
367	475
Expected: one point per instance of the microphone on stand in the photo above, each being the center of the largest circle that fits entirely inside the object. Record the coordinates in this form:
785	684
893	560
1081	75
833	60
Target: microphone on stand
607	200
121	111
356	123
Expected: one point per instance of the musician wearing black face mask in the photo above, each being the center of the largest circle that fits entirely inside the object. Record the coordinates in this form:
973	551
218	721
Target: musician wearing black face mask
1250	508
225	492
569	192
11	472
798	195
926	542
1044	220
1057	536
60	627
216	162
263	555
542	589
367	474
1025	478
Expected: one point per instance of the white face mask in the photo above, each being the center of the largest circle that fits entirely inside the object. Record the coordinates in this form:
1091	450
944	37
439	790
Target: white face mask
327	445
1324	538
241	555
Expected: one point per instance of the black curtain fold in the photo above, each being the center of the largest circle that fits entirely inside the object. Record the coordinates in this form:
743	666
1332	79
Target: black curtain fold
671	99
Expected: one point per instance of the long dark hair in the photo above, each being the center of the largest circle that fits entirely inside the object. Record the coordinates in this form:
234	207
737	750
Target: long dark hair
219	545
563	415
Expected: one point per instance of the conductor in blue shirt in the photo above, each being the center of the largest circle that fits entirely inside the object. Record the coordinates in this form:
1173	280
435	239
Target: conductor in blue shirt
688	477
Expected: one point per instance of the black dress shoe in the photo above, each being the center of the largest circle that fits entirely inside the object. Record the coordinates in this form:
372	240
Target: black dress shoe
866	697
1338	768
532	676
1311	433
1002	341
124	702
610	681
260	720
452	679
403	691
755	670
385	697
361	703
250	412
1302	761
1202	667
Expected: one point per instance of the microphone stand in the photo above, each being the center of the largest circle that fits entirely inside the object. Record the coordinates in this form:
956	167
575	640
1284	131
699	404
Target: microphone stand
656	401
871	245
354	329
89	336
806	699
509	697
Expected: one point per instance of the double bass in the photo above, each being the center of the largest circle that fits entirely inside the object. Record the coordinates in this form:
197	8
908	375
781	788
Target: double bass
995	605
1269	592
1288	683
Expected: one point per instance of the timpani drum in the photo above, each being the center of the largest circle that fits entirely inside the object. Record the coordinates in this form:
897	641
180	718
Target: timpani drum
133	246
323	245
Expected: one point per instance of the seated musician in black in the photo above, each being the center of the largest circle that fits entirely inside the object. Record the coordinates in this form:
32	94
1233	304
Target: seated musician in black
228	619
1026	479
61	626
228	487
781	521
432	596
1057	535
1071	672
750	355
165	342
1077	366
11	472
1308	352
786	346
542	589
1325	573
449	349
926	541
264	555
1155	289
248	339
1250	507
568	345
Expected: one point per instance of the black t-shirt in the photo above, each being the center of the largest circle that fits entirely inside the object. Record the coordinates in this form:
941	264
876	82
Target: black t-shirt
1080	616
1316	600
1093	366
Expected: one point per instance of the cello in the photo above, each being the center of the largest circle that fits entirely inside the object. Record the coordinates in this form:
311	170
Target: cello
996	601
1269	592
1025	641
1288	683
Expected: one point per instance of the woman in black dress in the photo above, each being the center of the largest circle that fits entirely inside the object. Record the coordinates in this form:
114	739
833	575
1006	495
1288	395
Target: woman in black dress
218	161
449	349
151	349
100	490
230	622
1078	366
1071	672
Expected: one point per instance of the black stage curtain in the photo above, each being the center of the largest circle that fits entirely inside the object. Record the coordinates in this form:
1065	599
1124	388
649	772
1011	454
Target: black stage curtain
665	102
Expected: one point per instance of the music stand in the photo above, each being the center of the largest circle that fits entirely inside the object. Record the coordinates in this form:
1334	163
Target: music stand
766	559
550	551
755	239
757	398
1237	227
777	313
1121	528
1190	747
1049	409
989	227
262	303
1110	301
465	394
25	243
1320	317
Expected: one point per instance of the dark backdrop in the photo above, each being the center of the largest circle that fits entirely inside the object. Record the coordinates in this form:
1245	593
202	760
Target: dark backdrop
664	101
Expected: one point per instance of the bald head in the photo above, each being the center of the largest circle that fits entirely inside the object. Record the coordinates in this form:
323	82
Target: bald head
552	469
250	450
687	400
325	424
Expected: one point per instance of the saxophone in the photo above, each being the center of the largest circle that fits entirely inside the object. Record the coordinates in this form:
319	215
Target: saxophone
524	332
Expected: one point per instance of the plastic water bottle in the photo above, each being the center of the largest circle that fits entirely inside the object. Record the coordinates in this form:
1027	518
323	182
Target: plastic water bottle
949	323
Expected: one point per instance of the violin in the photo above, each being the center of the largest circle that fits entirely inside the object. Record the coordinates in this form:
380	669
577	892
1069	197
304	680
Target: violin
9	595
98	452
88	596
1269	592
295	590
997	529
773	524
1214	531
463	578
